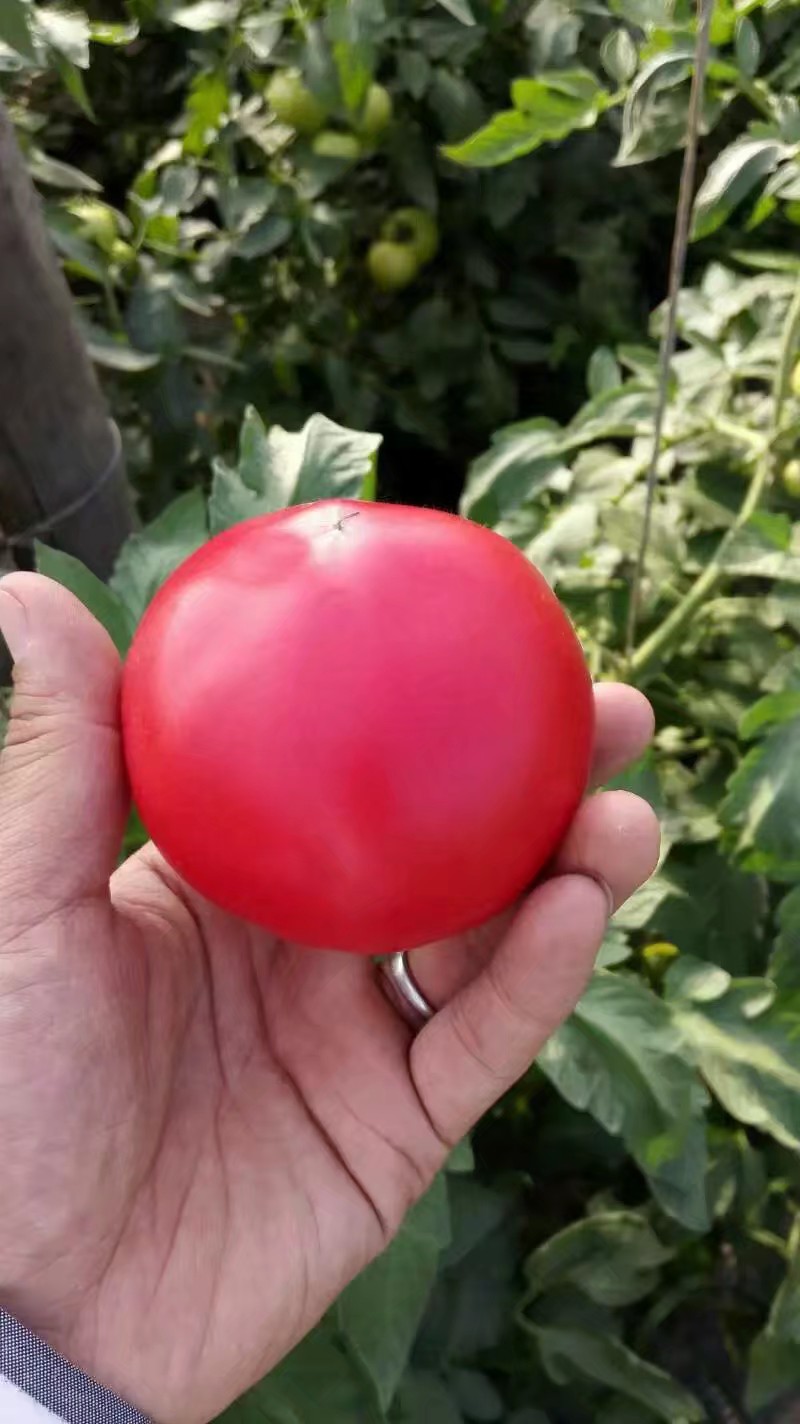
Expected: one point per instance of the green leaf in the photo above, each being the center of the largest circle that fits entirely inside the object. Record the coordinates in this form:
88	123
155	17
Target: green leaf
654	117
568	1355
100	600
619	56
15	27
603	372
746	1044
545	110
204	14
379	1313
261	34
66	31
555	32
774	1370
612	1256
784	963
763	801
732	175
319	1368
523	460
150	556
714	911
118	355
748	46
424	1396
265	236
206	106
52	172
460	9
621	1057
103	32
278	467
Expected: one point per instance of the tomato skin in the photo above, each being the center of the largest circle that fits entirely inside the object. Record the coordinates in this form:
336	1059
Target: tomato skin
361	726
293	103
790	477
376	113
332	144
392	265
418	228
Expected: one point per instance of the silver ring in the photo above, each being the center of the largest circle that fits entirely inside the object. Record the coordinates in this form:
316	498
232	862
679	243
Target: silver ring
403	991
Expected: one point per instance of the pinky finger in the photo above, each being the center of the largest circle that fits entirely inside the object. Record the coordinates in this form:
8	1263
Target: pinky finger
486	1037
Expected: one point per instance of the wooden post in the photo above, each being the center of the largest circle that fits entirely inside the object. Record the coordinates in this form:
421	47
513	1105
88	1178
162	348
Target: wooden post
56	438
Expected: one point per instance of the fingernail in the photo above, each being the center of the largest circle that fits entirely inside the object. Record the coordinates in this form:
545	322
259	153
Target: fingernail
13	624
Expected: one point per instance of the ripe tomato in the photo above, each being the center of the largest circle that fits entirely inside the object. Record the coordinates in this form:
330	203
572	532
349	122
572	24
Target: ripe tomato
360	725
392	265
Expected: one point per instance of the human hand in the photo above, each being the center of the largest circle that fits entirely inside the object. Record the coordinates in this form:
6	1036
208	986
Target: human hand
207	1132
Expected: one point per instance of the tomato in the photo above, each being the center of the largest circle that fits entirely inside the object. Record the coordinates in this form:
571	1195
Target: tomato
293	103
376	113
416	227
362	726
331	144
790	477
392	265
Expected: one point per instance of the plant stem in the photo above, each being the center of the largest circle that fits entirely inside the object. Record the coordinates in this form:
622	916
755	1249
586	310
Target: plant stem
677	267
653	647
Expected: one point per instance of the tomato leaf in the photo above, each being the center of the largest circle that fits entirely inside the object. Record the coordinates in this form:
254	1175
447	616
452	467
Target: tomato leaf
15	27
775	1354
612	1256
746	1043
545	109
379	1313
459	9
620	1058
731	177
278	467
100	600
763	801
567	1354
149	557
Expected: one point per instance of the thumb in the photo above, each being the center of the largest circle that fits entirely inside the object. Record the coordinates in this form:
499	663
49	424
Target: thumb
63	792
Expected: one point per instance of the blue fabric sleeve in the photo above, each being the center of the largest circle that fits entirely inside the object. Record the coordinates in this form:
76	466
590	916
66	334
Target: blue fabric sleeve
54	1383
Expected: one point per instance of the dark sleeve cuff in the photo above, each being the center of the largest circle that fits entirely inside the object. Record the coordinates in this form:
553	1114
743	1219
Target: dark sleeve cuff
46	1377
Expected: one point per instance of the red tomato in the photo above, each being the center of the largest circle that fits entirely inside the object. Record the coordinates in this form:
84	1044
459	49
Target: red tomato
361	726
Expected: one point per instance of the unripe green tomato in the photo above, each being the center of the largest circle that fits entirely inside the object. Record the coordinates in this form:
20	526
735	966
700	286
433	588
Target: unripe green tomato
790	478
795	380
392	265
332	144
416	228
376	113
293	103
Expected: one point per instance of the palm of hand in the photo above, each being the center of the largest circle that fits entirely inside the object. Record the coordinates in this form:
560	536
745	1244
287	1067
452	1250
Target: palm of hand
235	1129
208	1133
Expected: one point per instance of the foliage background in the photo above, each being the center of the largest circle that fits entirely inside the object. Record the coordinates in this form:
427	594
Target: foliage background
621	1241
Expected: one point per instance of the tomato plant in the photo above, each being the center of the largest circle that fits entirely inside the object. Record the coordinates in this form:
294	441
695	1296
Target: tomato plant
405	673
659	1134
